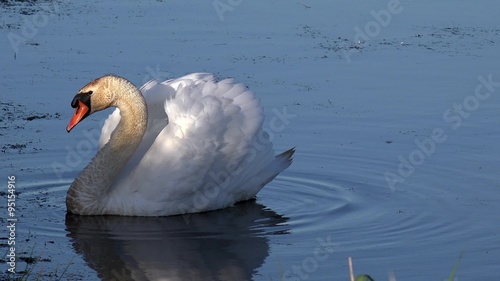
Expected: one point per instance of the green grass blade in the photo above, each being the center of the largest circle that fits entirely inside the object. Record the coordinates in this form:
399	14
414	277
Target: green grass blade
454	270
66	268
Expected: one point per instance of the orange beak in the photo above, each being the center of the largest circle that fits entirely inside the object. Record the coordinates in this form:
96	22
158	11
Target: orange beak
80	113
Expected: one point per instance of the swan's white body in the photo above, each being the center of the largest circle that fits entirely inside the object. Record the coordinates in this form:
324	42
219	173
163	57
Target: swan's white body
204	149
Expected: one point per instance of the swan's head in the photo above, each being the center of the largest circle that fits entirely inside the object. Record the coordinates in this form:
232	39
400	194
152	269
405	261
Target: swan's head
95	96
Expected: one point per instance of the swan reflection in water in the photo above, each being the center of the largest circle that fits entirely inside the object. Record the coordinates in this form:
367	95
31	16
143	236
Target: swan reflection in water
228	244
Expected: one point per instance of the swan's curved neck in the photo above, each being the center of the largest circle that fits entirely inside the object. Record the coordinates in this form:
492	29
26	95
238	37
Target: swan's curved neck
89	190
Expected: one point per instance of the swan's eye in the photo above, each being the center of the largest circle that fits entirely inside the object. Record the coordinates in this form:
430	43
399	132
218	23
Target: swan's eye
89	93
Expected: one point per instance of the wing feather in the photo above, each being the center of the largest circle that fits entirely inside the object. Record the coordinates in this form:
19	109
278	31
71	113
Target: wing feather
203	148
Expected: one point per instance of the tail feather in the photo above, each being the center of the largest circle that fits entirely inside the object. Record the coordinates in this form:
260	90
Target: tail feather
280	163
257	181
285	158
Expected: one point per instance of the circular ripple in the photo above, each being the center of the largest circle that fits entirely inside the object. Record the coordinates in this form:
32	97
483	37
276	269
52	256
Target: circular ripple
357	210
309	205
308	200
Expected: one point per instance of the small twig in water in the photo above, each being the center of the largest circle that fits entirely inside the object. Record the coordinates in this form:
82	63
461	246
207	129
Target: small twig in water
305	6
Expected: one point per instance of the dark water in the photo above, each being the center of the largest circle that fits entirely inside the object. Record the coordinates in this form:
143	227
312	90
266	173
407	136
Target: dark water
303	226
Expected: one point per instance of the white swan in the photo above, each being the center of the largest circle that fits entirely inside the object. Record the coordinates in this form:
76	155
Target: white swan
188	145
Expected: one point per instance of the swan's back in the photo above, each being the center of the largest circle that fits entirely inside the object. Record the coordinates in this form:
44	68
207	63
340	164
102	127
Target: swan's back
204	149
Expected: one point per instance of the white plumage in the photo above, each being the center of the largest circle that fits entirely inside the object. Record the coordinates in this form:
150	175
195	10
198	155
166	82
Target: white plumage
204	149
